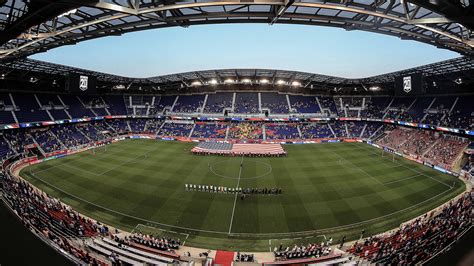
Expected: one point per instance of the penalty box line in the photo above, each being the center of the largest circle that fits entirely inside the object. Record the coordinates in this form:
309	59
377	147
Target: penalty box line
236	195
101	173
418	172
241	234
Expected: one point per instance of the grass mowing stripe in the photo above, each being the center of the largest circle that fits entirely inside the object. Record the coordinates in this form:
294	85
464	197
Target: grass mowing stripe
152	191
423	174
235	198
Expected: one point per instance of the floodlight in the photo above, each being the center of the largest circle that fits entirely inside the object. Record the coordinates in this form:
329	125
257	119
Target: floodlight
196	83
296	84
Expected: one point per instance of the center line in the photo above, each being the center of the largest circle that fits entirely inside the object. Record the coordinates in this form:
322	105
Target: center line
236	194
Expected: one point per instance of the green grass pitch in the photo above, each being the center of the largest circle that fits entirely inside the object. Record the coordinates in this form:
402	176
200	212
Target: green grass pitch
329	190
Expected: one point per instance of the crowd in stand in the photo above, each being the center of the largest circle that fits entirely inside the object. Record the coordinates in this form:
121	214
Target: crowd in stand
56	221
156	242
355	129
413	243
435	147
137	125
246	103
216	103
446	149
69	135
176	130
242	257
187	107
50	218
328	104
303	251
451	111
210	130
152	126
438	149
39	209
315	131
282	131
419	142
245	131
458	119
304	104
45	137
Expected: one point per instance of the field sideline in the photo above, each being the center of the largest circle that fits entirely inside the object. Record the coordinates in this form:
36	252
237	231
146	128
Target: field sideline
331	189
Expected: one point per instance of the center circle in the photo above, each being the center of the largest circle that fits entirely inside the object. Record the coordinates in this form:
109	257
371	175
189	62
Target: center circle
262	167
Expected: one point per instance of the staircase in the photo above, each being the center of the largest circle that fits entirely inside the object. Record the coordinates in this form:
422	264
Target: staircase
299	131
204	104
192	130
363	130
39	146
233	102
385	112
174	103
334	134
227	133
56	137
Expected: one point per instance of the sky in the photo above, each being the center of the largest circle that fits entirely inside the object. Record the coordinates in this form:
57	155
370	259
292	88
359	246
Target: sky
314	49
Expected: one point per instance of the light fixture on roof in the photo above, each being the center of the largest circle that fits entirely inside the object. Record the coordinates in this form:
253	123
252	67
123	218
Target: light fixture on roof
246	81
375	88
434	84
296	83
229	81
2	76
213	82
458	81
33	79
119	87
280	82
196	83
264	81
68	13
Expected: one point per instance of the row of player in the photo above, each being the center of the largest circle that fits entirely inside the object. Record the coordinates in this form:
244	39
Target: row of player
222	189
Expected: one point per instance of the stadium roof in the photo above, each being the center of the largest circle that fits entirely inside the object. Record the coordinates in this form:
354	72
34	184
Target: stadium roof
448	70
28	27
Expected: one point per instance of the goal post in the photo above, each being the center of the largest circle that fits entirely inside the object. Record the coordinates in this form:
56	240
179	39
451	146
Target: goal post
99	149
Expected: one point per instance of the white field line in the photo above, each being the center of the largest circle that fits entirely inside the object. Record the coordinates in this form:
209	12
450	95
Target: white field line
134	229
357	167
163	230
348	225
109	154
423	174
101	173
236	195
400	180
242	234
184	242
126	162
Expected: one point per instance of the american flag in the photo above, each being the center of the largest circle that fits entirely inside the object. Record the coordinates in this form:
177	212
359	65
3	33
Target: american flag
239	149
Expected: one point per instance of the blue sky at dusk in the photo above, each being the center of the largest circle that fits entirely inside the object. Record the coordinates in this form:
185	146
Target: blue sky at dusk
323	50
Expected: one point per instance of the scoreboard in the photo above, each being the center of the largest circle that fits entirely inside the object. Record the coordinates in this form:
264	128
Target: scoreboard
81	84
411	84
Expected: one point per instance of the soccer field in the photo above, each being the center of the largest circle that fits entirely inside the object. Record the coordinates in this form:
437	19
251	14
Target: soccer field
329	190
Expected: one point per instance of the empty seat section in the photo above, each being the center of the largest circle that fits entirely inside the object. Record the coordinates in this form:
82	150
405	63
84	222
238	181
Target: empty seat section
29	109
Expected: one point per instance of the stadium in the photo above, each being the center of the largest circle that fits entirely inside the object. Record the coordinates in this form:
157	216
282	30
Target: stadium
235	166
